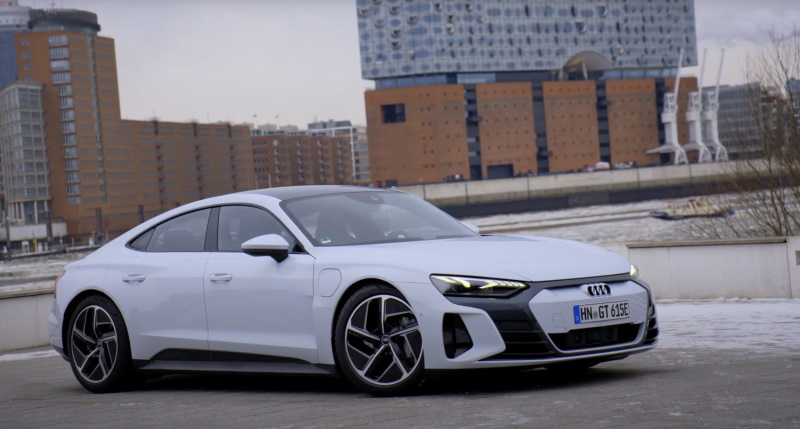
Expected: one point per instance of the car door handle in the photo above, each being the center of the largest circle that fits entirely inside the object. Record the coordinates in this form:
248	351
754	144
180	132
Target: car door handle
133	278
220	277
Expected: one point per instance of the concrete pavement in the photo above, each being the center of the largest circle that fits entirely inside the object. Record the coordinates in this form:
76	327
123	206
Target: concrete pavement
665	388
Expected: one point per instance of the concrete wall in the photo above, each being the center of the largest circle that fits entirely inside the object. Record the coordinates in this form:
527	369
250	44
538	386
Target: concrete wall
23	319
748	268
524	188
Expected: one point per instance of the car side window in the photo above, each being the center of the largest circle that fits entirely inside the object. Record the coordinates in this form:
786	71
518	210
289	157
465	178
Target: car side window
238	224
185	233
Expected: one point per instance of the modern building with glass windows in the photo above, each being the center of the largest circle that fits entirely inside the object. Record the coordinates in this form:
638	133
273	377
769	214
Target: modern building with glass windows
13	19
532	83
24	153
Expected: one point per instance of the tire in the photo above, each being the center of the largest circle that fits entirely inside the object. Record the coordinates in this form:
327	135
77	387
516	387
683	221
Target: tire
381	355
99	349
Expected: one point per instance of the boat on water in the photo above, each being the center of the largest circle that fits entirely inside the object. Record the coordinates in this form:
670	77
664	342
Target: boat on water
684	209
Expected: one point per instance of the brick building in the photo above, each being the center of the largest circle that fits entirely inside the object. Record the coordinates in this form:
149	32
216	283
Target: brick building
312	157
487	89
105	174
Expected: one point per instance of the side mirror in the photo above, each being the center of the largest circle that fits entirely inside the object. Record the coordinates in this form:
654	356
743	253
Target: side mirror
267	245
471	227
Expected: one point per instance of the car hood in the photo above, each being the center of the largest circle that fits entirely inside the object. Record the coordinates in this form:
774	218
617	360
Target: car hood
509	257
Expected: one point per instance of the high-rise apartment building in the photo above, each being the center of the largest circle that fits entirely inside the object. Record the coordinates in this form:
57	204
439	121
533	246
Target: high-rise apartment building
475	89
359	146
312	157
104	174
23	153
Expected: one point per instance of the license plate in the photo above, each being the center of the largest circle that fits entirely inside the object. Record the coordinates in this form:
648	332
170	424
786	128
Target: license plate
601	312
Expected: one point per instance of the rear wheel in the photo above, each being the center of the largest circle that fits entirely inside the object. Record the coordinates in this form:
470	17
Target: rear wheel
378	342
99	351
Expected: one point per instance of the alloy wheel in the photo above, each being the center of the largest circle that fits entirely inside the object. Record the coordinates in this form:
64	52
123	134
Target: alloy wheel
94	345
383	341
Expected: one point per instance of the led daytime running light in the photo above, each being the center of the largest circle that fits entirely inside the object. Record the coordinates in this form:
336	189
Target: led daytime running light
470	286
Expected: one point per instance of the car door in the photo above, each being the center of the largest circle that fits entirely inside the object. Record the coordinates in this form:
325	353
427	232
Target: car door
160	280
256	305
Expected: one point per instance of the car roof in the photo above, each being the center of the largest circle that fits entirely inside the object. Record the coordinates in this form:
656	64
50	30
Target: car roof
291	192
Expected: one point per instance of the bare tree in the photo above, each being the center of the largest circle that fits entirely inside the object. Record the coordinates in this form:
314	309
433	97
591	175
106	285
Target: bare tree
763	184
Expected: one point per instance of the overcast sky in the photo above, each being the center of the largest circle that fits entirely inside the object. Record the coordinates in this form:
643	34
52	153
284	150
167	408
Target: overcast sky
226	60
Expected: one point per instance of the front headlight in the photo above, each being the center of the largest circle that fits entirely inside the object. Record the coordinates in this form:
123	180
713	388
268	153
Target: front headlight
634	272
476	287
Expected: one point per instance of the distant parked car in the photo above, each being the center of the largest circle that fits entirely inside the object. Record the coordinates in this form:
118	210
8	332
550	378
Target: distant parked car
377	285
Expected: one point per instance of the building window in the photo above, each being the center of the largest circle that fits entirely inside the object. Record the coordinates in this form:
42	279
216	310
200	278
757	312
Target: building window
63	77
74	189
71	164
59	65
25	41
393	113
57	40
27	67
68	139
68	115
65	90
56	53
70	152
65	103
73	176
68	127
73	200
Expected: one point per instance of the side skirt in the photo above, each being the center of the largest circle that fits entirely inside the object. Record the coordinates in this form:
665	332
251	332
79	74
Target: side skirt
180	360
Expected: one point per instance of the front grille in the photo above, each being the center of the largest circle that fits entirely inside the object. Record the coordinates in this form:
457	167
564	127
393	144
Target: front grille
596	337
524	340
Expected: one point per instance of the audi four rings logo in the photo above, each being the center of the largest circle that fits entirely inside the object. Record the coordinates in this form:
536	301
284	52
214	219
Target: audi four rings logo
597	289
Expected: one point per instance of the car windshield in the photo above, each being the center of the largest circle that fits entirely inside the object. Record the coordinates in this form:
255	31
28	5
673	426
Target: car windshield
371	217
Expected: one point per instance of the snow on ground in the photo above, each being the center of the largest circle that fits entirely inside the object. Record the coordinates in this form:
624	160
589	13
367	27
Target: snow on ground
752	326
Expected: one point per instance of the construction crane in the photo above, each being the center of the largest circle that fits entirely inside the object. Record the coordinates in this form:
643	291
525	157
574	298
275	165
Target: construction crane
710	124
693	119
669	119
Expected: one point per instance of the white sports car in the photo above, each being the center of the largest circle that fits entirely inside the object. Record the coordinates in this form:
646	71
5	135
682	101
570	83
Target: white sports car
377	285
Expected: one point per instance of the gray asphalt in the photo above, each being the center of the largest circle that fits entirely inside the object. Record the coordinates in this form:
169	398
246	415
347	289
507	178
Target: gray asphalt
665	388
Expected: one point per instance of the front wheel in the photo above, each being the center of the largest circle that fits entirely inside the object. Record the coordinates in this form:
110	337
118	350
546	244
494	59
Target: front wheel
99	351
378	342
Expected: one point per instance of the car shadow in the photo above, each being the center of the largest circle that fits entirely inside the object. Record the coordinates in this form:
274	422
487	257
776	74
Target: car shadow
438	383
267	383
515	380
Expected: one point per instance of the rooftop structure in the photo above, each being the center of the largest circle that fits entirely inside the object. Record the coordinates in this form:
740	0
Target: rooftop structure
423	42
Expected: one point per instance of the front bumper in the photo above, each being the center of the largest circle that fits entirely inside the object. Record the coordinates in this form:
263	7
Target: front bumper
537	327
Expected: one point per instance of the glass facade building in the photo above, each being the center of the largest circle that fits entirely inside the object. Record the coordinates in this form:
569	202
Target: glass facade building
13	19
24	153
439	41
